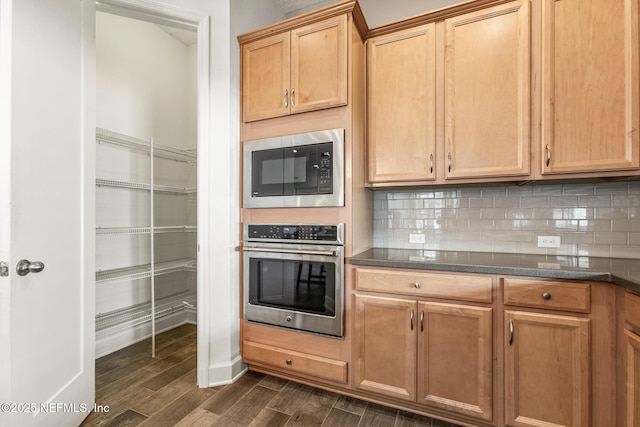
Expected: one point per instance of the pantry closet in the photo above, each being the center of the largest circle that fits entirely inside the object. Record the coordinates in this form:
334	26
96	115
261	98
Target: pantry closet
146	167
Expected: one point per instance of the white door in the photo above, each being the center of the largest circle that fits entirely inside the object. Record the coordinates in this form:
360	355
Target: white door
47	176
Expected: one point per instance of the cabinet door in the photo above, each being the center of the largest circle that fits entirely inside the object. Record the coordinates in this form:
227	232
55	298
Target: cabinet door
385	346
265	78
487	85
547	370
401	105
633	378
589	85
455	358
319	65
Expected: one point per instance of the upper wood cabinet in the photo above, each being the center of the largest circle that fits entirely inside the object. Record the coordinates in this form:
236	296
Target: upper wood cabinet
300	70
450	100
590	96
401	105
487	92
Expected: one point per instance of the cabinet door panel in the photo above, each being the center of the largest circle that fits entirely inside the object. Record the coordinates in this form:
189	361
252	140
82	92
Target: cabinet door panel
455	356
319	65
547	370
385	346
265	78
590	85
633	379
487	85
401	105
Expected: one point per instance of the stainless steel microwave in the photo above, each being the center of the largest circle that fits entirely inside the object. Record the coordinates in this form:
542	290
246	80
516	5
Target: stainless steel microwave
301	170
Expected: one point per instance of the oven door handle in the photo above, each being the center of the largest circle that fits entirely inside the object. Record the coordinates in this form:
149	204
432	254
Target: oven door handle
331	252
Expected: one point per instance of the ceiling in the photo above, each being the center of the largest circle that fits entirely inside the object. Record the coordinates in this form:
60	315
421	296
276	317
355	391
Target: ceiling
288	6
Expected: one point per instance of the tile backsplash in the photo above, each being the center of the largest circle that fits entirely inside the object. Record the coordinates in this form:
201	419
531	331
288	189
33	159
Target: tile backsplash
601	220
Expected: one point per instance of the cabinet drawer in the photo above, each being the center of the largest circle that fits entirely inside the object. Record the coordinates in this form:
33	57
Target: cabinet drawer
293	361
410	282
632	310
553	295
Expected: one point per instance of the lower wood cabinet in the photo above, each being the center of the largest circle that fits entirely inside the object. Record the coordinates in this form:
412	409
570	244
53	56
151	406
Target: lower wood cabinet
632	344
295	362
547	370
631	348
436	354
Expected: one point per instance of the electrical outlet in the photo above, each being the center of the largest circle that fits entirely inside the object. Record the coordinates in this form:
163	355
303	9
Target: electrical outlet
548	241
416	238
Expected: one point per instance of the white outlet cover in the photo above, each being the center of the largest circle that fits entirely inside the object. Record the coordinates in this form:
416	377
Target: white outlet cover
548	241
416	238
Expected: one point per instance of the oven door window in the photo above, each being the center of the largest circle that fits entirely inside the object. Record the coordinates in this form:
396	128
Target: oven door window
305	286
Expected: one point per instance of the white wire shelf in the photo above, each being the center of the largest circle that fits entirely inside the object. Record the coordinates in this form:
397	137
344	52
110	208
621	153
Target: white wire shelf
160	151
144	271
117	320
146	187
146	230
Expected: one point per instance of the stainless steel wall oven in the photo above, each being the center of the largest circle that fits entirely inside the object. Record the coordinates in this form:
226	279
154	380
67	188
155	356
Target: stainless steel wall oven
293	276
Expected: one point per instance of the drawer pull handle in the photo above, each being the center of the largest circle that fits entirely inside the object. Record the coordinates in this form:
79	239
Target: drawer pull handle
288	361
417	285
546	296
510	332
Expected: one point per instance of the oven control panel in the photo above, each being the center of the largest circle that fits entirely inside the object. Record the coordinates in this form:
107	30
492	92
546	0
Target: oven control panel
328	233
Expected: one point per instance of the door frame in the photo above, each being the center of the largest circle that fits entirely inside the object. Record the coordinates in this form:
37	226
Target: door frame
164	14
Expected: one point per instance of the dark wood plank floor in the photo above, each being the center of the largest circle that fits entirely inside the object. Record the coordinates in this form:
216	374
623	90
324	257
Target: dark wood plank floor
141	390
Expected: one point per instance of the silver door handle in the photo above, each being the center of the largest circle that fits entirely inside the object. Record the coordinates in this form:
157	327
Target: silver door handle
25	267
4	269
328	252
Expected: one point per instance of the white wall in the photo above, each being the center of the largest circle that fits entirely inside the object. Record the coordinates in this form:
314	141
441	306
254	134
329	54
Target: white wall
145	82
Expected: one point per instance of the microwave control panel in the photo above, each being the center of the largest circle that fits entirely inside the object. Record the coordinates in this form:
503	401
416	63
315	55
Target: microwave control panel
325	176
298	232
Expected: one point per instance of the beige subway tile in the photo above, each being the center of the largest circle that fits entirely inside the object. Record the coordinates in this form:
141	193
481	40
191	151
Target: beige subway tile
595	201
612	213
534	202
610	238
577	238
594	250
603	225
626	251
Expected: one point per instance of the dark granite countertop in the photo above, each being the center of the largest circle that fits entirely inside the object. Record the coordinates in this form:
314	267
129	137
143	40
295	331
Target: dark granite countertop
622	272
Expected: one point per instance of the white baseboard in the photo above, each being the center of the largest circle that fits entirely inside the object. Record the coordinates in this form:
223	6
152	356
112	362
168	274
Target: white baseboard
227	373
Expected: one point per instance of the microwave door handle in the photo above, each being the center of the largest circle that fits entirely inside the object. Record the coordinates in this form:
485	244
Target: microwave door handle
293	251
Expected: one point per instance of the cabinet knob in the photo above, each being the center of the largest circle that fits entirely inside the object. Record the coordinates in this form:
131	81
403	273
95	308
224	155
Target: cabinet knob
417	285
288	361
546	295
